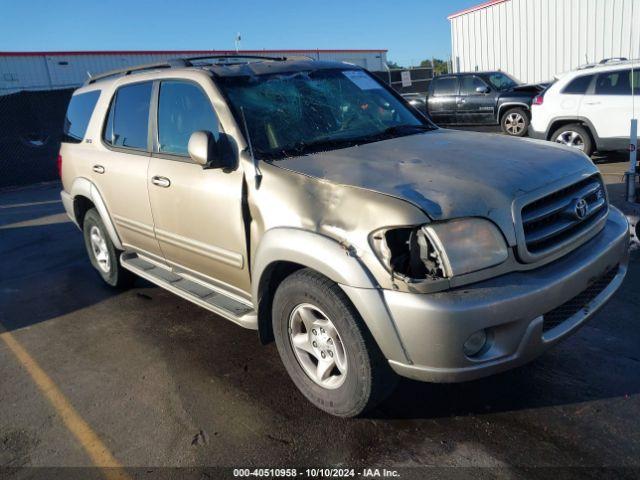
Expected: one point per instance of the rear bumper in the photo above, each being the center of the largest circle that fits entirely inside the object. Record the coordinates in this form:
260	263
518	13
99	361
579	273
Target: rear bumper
434	327
67	201
536	134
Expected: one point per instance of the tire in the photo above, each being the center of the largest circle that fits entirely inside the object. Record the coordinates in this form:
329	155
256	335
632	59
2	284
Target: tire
102	253
515	122
367	379
574	135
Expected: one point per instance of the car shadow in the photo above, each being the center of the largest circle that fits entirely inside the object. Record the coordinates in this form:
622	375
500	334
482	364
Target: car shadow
44	272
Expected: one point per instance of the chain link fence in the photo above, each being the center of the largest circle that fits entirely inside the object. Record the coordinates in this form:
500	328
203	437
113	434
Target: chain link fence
30	130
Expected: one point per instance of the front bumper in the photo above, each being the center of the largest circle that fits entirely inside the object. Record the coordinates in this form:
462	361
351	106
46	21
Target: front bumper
434	327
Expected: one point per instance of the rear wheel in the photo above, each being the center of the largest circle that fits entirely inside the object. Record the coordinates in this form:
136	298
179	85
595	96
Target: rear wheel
574	135
515	122
325	347
102	253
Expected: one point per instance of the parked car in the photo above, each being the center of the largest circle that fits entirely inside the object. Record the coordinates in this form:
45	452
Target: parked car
417	100
482	98
304	200
589	109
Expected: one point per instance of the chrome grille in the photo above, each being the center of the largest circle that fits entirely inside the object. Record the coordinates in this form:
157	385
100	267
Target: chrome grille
556	219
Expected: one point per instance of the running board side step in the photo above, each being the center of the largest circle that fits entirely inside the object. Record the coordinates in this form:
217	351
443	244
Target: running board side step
202	295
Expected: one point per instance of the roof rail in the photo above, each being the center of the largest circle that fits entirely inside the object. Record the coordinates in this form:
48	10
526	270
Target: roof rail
190	60
173	63
604	61
608	62
181	63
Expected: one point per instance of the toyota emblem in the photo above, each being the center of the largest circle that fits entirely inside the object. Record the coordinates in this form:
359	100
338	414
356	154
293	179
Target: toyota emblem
581	209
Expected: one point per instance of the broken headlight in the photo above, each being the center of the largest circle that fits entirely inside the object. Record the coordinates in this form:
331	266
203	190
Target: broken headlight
441	249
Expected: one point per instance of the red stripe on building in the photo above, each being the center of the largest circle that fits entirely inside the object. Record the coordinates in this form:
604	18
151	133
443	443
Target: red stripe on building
488	4
181	52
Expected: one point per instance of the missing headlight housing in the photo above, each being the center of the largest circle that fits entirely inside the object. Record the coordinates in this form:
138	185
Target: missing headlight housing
409	253
440	250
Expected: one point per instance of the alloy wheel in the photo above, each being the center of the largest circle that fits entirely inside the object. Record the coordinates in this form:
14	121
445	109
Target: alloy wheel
99	249
571	139
318	346
515	123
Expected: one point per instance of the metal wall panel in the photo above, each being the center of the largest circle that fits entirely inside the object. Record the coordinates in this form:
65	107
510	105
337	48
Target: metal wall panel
48	71
537	39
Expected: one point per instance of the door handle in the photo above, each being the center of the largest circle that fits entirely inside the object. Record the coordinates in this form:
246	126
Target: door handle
98	168
163	182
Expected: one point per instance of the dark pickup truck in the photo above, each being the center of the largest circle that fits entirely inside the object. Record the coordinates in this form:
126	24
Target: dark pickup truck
482	98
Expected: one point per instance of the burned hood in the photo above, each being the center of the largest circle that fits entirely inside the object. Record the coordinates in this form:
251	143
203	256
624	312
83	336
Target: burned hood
448	174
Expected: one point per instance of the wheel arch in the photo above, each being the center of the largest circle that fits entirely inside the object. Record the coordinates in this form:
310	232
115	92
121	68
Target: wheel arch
85	195
505	107
556	123
283	251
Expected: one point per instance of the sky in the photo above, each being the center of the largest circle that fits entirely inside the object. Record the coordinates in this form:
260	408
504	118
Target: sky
412	30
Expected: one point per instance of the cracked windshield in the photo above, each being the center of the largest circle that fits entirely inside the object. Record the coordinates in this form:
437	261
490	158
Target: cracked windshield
330	109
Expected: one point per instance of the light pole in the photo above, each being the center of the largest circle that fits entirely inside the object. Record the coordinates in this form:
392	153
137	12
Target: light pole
633	143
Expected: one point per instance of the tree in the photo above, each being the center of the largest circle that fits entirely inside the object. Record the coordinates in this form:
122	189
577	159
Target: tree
440	67
394	66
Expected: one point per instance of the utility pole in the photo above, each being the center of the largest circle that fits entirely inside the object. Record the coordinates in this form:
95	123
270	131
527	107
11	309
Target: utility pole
238	39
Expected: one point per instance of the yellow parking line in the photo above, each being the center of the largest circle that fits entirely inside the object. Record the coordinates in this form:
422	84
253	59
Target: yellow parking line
99	453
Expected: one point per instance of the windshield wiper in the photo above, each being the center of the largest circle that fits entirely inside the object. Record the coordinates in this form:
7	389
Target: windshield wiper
304	148
396	131
408	129
329	143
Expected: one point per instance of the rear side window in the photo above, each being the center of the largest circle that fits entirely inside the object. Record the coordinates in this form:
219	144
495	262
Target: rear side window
445	86
614	83
78	115
183	108
128	122
578	86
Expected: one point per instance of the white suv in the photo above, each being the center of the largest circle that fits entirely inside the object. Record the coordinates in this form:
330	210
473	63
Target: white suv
590	108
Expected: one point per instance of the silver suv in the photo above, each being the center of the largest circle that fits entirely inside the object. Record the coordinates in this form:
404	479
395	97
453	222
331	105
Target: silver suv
306	200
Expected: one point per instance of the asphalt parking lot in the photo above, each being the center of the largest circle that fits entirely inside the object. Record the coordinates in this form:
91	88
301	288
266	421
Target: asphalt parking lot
145	379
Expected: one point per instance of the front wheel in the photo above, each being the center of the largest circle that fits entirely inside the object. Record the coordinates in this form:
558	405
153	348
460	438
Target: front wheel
102	253
515	122
325	347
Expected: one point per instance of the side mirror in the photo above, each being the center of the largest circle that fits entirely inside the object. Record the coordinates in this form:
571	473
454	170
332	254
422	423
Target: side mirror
201	148
484	89
208	152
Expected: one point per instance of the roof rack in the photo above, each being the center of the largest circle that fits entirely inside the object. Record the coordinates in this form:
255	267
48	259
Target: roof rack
183	63
190	60
173	63
608	62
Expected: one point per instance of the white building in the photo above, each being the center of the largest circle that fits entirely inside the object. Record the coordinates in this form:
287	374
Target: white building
55	70
537	39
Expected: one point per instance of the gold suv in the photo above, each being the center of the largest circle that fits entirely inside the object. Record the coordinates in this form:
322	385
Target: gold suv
308	201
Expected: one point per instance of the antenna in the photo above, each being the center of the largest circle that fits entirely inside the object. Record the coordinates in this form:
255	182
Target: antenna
256	167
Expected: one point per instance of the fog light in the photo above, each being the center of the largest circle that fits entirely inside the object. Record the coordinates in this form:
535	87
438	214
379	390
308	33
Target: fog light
475	343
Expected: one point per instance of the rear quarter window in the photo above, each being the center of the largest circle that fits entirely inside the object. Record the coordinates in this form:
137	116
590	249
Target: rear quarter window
578	86
78	115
